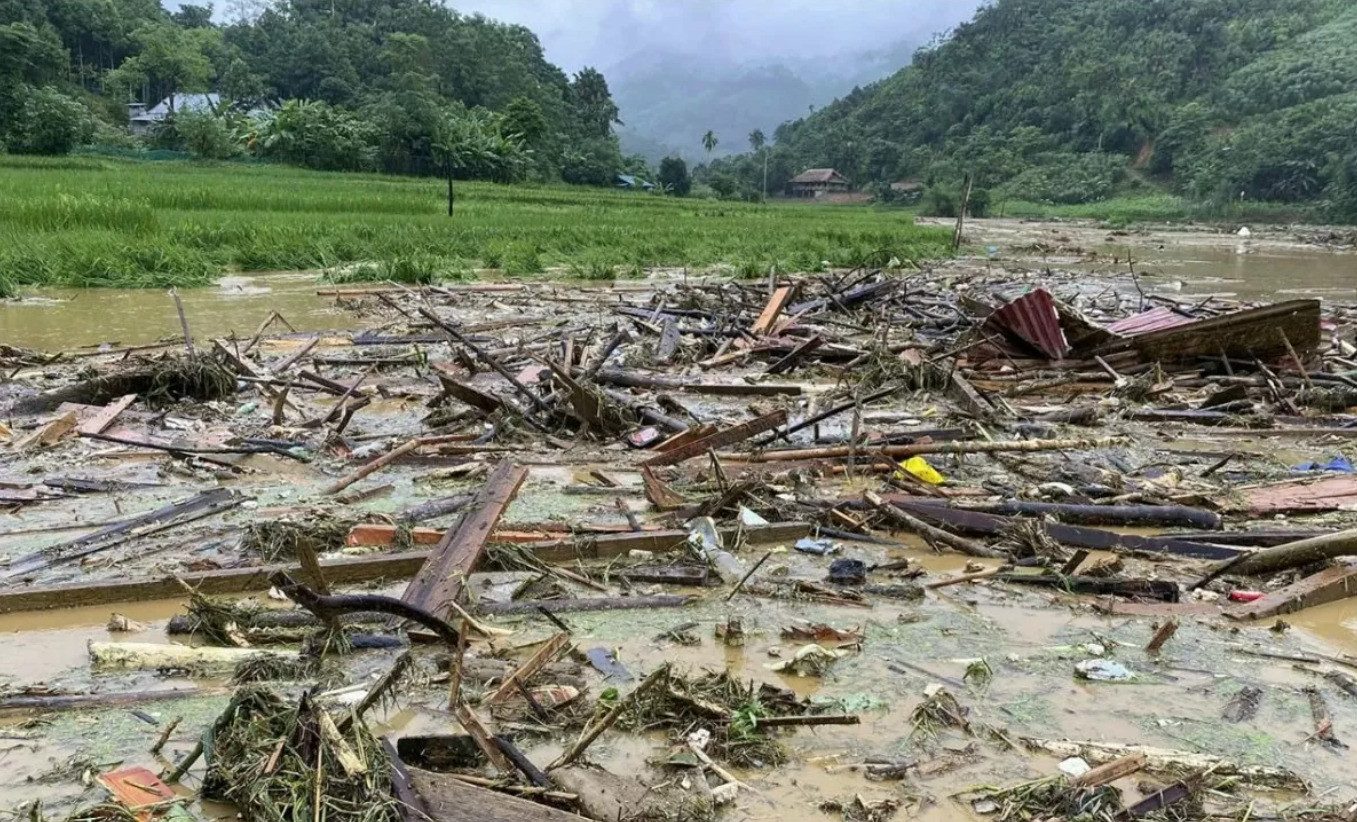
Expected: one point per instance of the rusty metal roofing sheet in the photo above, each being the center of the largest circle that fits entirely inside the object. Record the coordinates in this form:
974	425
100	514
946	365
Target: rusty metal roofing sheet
1156	319
1033	319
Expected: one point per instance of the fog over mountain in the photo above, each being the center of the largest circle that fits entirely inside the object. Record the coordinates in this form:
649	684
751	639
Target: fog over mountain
679	68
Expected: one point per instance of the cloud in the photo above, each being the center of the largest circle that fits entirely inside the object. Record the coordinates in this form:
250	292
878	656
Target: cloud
603	33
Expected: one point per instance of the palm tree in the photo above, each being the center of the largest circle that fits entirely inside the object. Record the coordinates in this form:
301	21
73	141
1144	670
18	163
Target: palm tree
709	141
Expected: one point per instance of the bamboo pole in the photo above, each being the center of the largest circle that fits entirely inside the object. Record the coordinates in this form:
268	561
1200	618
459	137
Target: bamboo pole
920	449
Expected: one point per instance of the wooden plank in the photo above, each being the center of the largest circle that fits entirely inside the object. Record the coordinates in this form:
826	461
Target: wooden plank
776	304
338	572
473	397
683	438
659	493
348	571
721	439
1251	333
448	799
439	583
1329	585
48	434
965	395
100	422
797	354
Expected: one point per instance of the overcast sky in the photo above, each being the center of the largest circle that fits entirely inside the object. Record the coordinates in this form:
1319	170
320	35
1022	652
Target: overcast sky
603	32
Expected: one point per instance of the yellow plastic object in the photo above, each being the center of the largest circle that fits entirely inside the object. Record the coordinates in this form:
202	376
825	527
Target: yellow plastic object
919	468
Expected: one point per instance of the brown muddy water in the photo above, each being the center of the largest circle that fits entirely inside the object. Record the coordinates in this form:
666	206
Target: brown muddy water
1031	640
53	319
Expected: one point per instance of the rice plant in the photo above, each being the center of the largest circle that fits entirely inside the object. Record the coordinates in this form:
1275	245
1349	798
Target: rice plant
113	222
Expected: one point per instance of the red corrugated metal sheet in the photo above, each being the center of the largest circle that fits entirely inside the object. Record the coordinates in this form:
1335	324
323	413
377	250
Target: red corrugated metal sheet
1156	319
1033	319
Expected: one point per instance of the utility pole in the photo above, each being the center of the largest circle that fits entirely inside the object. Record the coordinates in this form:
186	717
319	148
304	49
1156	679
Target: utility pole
448	163
765	175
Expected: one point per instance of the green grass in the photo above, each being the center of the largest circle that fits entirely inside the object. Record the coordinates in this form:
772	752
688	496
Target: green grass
108	222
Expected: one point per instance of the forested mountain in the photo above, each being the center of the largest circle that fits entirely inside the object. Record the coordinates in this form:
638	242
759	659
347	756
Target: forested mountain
669	99
1065	100
395	85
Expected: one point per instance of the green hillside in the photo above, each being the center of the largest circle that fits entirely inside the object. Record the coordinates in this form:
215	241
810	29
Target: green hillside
1072	101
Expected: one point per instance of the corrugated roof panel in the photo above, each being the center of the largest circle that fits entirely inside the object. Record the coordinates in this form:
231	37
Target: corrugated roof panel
1156	319
1033	319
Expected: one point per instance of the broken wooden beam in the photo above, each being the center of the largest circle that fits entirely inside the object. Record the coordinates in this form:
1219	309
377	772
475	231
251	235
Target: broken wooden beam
100	422
1329	585
440	582
777	303
720	439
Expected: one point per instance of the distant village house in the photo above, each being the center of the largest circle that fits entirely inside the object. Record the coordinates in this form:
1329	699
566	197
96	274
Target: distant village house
141	121
631	182
817	182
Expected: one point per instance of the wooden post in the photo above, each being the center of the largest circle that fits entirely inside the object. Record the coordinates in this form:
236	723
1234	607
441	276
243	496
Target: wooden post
183	320
961	212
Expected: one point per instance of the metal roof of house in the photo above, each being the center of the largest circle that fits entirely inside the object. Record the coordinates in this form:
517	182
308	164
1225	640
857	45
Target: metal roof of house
819	175
182	102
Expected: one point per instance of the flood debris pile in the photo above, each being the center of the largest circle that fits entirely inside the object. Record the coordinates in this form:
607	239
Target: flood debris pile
600	546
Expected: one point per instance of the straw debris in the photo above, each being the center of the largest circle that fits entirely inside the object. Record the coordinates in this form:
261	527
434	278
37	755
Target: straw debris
278	761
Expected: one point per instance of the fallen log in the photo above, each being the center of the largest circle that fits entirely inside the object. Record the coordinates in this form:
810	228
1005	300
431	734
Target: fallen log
154	656
1078	536
920	449
449	798
1161	759
1298	554
1152	515
630	379
22	704
1157	589
929	532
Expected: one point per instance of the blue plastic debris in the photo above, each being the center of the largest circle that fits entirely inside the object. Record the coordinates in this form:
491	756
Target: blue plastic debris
1339	464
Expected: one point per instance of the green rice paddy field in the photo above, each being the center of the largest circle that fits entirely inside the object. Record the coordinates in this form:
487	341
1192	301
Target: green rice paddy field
87	221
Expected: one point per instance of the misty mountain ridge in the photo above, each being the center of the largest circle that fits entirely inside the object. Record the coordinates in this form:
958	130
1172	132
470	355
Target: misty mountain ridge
670	98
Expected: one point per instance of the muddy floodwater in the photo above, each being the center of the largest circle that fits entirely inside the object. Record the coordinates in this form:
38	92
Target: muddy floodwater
1015	655
55	319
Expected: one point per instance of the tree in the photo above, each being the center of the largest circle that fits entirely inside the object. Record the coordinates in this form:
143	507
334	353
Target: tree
49	122
710	141
674	176
171	60
756	140
594	103
193	17
523	116
207	136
